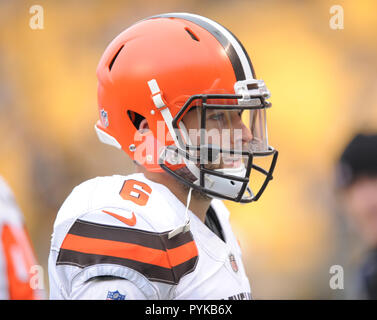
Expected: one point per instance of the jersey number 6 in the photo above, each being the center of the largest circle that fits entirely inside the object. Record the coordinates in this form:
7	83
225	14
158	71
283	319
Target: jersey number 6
136	191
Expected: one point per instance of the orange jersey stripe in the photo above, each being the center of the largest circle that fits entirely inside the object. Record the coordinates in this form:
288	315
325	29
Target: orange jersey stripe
182	253
166	259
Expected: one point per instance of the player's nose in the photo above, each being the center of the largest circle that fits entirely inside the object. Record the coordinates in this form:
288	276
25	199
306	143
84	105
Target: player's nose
242	132
247	136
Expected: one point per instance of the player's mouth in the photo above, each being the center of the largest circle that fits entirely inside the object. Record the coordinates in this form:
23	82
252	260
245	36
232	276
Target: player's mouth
232	162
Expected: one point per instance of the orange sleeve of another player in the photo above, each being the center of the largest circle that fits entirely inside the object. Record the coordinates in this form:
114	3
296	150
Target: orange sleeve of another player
19	258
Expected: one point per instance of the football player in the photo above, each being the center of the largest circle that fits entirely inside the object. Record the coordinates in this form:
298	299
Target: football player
17	259
177	92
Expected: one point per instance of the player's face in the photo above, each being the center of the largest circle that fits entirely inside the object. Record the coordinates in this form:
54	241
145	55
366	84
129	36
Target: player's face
224	129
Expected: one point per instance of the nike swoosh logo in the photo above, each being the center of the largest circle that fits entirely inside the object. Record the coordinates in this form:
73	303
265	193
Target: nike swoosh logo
129	221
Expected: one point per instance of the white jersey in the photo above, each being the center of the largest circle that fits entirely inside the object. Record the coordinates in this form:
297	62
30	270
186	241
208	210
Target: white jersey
16	255
111	241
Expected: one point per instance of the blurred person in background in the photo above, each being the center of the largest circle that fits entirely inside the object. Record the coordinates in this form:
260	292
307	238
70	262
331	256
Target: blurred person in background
16	254
357	185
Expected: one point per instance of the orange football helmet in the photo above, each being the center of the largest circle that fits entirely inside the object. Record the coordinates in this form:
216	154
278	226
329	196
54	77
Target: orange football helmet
157	70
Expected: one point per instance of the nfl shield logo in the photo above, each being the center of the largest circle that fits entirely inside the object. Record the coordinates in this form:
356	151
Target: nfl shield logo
115	295
104	118
233	262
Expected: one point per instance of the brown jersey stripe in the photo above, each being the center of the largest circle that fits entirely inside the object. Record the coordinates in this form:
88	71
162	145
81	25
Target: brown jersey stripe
152	272
130	235
115	233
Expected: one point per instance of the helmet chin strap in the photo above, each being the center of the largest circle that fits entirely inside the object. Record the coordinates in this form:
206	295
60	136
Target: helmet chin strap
166	115
165	112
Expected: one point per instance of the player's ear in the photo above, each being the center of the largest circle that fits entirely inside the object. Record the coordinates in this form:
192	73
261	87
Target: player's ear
143	126
140	123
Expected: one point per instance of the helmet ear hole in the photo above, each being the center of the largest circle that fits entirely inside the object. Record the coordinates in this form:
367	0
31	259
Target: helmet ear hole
143	126
137	119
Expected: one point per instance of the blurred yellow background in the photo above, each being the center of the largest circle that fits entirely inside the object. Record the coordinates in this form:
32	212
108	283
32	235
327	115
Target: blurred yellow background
324	88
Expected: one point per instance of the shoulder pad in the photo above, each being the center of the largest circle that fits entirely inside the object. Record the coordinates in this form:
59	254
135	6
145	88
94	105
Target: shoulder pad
152	202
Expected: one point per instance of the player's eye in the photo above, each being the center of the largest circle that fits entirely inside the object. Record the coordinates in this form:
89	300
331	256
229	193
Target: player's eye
218	116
